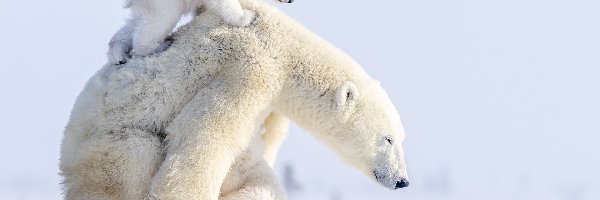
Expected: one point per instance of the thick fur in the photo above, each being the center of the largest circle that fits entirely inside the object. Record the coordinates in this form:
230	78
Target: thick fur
152	20
170	126
251	178
276	128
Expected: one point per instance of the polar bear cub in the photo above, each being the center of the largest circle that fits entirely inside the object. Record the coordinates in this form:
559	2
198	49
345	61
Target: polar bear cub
152	20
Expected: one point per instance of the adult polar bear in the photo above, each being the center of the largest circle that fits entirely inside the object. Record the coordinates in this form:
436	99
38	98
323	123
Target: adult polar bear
170	126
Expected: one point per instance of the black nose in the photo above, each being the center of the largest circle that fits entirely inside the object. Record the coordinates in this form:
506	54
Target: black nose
401	184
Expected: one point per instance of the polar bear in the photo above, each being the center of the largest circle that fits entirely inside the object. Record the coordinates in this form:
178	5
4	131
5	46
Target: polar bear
152	20
170	125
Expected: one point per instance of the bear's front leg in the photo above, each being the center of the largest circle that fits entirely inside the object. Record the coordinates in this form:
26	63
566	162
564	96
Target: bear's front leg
276	127
260	183
251	178
206	136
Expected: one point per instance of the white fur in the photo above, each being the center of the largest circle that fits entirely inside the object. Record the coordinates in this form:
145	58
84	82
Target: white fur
276	127
208	94
152	20
251	178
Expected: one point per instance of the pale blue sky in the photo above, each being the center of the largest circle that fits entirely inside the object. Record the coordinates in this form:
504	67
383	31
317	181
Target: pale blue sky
500	99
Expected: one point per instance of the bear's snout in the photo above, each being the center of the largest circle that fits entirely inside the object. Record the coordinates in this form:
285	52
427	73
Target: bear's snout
401	184
389	182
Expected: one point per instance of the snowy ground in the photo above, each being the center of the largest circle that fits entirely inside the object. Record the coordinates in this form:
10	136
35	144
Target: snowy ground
499	98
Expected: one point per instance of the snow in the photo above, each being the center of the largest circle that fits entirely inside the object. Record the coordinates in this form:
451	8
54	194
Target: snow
499	98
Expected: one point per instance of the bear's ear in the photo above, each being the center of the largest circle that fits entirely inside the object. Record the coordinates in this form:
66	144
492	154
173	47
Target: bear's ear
346	93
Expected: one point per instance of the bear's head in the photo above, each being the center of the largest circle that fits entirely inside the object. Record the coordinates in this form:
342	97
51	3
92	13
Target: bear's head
369	132
358	120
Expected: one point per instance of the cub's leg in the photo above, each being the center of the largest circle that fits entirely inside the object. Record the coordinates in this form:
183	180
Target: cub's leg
213	128
115	165
155	20
231	11
121	43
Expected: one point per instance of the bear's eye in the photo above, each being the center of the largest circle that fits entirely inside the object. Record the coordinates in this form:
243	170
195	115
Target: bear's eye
389	140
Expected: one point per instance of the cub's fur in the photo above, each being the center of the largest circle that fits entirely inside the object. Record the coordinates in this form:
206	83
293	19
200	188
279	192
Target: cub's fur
152	20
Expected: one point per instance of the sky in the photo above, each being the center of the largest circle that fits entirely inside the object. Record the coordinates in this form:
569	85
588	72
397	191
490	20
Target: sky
500	99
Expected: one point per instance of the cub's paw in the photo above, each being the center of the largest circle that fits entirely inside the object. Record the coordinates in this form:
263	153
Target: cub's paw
165	45
244	20
118	54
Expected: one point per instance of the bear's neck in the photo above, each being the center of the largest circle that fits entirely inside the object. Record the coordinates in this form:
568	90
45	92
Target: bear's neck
314	71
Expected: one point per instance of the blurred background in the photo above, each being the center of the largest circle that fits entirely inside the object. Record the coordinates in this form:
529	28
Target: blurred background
500	98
